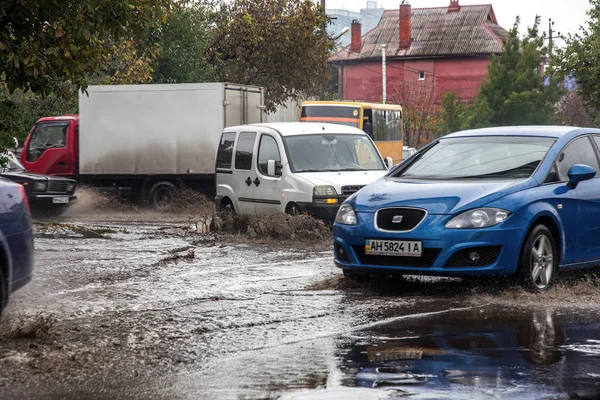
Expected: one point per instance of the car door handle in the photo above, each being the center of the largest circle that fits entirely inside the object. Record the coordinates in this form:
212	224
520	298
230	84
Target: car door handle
248	181
62	163
257	181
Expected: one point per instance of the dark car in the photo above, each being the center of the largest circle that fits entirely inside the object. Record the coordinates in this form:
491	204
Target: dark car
16	240
42	190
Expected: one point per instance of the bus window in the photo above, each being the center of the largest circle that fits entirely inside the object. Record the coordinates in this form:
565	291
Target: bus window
394	124
380	125
367	125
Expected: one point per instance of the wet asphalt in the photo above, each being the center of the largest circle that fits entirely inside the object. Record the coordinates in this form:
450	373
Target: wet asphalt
130	311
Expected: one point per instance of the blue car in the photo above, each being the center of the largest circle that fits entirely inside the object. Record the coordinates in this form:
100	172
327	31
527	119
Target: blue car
521	201
16	240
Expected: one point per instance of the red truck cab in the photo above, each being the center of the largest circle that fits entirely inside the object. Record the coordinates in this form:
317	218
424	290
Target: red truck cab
51	146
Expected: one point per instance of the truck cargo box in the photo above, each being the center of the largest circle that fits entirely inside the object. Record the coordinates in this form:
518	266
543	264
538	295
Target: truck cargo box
161	130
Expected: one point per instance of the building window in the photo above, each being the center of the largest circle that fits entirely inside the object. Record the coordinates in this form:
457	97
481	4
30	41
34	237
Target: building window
421	75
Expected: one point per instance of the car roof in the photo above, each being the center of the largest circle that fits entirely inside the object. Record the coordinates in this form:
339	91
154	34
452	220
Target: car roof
304	128
526	130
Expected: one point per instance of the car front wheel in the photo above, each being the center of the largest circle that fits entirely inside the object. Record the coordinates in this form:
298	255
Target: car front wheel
538	263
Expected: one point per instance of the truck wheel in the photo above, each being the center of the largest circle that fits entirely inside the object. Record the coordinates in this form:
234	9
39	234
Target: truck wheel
162	195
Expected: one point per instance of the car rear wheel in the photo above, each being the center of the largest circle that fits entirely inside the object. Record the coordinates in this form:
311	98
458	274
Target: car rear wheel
538	263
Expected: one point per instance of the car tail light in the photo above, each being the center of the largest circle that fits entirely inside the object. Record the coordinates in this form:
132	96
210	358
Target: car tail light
25	199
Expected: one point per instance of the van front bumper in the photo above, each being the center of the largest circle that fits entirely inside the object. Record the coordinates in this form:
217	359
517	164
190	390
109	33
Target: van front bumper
325	212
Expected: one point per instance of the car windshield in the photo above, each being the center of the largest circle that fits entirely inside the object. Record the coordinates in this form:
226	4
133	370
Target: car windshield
332	152
497	157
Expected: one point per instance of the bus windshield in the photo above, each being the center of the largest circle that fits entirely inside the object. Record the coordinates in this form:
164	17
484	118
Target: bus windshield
332	113
332	152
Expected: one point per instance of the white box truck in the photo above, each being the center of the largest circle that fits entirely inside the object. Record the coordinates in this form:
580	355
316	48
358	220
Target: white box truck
143	140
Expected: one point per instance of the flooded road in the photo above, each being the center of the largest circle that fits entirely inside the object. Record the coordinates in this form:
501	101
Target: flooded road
153	310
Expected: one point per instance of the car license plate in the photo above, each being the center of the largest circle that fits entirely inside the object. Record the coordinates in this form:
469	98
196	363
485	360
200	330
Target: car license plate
60	200
401	248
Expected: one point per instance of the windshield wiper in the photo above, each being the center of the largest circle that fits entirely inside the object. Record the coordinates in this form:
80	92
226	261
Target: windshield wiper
320	170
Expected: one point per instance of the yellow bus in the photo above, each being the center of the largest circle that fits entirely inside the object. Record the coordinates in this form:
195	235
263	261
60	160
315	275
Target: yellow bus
383	122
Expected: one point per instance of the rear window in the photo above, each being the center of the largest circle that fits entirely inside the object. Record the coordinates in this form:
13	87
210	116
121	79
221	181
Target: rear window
225	152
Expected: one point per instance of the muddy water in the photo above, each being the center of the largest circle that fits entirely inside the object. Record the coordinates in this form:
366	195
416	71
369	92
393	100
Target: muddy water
131	312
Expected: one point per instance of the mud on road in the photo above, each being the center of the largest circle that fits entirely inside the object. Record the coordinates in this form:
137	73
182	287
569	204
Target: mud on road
140	307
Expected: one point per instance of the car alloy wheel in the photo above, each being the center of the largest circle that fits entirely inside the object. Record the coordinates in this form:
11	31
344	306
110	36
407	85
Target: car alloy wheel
539	259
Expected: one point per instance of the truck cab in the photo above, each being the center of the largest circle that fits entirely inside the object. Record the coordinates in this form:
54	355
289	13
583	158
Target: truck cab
51	146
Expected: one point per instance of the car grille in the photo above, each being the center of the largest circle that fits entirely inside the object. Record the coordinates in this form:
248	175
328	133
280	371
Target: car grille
58	186
411	217
348	190
487	256
427	258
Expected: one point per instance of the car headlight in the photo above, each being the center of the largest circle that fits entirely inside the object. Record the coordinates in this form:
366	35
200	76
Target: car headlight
324	191
71	187
478	218
40	186
346	215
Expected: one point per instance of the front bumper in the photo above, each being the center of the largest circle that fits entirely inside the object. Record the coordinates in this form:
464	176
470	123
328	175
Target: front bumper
325	212
445	252
47	199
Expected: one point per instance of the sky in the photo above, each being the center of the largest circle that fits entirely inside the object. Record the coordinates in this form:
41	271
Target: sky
567	15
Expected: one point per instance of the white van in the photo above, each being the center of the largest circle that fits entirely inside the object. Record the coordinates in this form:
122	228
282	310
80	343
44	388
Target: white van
294	167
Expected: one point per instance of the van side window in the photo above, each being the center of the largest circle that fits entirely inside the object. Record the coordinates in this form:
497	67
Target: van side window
244	150
225	152
267	150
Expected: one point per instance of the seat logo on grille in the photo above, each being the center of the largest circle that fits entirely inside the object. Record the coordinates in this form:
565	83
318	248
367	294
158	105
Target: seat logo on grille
397	219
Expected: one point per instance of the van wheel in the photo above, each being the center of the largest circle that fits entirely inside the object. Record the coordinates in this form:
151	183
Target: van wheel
538	263
162	195
293	209
227	206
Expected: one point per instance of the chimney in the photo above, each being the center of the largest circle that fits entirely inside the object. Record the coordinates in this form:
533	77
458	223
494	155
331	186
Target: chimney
405	26
356	36
454	7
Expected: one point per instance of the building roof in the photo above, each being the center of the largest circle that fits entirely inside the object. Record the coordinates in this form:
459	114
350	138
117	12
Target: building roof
435	32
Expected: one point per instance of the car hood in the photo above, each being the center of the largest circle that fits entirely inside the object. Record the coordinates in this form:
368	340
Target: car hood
437	197
22	175
342	178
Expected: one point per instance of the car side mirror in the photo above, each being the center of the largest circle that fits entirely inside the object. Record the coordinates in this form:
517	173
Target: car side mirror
579	173
389	162
273	168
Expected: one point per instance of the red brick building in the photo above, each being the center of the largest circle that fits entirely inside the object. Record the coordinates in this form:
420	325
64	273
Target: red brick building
429	51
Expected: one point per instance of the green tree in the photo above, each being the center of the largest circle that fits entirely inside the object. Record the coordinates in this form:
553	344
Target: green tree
515	90
452	115
183	40
282	45
46	41
580	58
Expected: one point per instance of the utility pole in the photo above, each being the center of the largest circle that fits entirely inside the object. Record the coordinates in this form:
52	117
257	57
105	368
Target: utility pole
383	73
550	37
323	5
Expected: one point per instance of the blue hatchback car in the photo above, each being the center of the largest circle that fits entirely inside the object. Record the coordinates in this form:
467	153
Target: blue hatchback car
16	240
496	201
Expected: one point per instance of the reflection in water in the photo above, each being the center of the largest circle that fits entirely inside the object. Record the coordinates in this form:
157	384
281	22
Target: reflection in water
507	353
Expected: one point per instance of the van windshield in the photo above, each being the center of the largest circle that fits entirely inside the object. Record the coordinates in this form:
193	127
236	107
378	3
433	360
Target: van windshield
332	152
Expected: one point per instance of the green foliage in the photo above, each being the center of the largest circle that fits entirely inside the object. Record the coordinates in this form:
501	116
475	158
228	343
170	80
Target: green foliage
183	40
46	41
282	45
580	58
514	92
514	89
